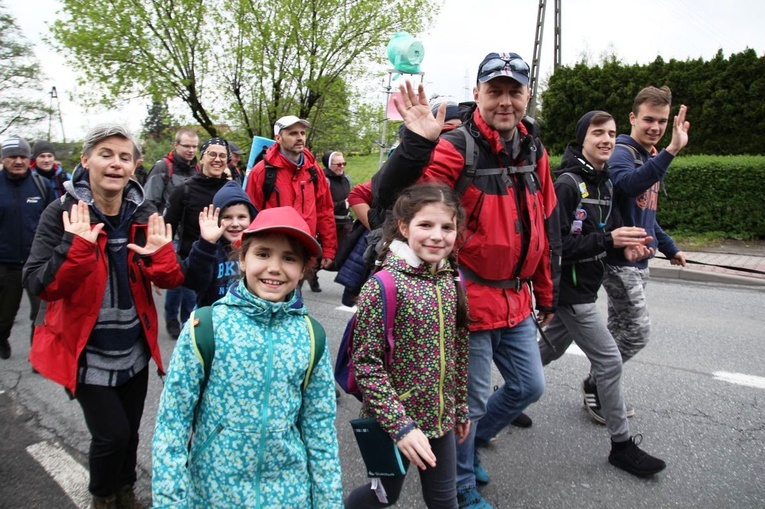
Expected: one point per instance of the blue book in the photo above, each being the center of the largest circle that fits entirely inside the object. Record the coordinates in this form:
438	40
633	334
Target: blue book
378	450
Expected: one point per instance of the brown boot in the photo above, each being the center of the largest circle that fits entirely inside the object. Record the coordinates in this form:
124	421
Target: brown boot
104	502
126	499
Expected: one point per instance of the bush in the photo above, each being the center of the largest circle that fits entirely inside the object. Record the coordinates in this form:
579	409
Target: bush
709	194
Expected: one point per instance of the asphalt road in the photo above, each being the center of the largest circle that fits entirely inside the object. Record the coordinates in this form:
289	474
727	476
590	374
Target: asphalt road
711	431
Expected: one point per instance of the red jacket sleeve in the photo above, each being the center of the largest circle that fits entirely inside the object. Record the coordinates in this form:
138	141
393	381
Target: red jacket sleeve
325	220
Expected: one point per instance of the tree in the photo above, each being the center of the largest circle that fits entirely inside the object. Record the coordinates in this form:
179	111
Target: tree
725	99
240	62
19	78
157	121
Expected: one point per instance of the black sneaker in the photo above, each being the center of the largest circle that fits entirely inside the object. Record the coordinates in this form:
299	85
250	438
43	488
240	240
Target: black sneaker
5	349
173	328
522	421
315	288
592	401
630	458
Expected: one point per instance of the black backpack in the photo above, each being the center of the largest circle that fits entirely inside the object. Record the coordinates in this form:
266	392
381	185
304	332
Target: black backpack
269	183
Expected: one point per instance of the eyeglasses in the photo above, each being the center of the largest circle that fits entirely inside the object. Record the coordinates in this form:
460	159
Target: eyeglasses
504	63
342	165
215	155
187	147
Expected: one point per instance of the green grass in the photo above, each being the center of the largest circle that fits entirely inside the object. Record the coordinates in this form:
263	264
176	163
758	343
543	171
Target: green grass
361	168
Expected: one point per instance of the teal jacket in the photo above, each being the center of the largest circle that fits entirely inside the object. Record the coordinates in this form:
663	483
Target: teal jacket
260	440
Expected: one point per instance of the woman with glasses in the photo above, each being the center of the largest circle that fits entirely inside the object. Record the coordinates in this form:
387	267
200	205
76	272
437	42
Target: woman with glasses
189	199
339	187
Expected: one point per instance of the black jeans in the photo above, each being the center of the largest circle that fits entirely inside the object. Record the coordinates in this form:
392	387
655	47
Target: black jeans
113	416
439	484
11	290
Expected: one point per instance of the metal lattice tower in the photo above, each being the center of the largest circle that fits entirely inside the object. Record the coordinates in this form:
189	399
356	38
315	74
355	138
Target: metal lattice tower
538	49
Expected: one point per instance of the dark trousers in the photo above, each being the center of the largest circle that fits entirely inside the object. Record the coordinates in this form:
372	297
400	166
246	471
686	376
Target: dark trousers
181	298
11	290
439	488
113	416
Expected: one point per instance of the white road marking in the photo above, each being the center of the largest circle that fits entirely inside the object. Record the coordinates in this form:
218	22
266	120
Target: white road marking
65	470
346	309
575	350
757	382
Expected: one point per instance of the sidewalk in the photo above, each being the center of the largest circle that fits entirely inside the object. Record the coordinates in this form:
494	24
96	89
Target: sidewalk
749	255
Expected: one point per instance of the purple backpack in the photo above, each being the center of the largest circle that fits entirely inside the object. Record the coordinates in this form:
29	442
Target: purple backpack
345	371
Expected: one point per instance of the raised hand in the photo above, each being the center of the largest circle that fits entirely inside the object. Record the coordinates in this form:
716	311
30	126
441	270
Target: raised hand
680	129
157	235
415	111
416	447
209	229
77	222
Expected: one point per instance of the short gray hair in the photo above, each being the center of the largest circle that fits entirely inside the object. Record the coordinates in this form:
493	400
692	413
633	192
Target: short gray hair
103	131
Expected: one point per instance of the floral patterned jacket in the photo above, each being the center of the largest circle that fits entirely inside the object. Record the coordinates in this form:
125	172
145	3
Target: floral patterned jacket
260	440
426	383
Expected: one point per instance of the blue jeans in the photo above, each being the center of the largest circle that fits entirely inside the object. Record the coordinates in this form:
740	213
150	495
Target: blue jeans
515	352
183	298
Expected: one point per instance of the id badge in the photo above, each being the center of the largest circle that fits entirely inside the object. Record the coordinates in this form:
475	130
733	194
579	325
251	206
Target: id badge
576	227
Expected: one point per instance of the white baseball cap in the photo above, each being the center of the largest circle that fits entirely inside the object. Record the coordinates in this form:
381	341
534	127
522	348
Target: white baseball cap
288	121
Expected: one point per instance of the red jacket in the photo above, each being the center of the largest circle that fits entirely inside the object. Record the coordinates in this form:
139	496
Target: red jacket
66	271
491	245
294	188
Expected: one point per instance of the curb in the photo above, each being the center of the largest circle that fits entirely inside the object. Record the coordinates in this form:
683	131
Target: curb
704	277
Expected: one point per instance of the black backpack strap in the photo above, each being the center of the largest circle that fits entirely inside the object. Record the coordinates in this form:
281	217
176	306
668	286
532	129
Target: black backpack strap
471	161
269	183
638	160
41	185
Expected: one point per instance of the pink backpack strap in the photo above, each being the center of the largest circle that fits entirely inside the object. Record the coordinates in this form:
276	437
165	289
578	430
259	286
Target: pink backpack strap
385	278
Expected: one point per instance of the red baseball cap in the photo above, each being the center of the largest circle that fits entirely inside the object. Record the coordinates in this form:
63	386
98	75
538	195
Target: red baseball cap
285	220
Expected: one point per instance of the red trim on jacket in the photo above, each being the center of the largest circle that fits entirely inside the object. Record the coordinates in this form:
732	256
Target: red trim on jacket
74	300
490	246
294	188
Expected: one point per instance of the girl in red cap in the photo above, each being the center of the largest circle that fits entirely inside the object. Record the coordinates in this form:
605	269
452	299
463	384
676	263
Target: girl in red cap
262	425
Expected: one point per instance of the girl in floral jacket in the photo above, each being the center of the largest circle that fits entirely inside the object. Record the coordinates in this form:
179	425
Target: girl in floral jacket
260	438
420	399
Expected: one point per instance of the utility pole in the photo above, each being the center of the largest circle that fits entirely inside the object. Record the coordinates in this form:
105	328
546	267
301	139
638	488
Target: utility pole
54	95
538	49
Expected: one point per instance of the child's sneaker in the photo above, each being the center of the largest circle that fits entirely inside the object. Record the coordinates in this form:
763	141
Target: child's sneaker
471	499
592	401
630	458
481	475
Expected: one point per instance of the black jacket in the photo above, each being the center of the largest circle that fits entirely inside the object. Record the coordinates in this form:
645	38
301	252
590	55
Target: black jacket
583	262
186	202
339	187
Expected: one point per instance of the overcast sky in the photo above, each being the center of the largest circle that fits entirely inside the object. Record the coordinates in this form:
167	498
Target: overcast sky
635	30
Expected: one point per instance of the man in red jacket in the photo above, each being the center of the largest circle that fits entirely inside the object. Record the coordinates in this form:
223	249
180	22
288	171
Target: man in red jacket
508	242
289	176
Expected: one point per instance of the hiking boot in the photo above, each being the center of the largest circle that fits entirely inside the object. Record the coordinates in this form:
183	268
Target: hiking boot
481	475
5	349
104	502
522	421
126	499
173	328
630	458
592	401
471	499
